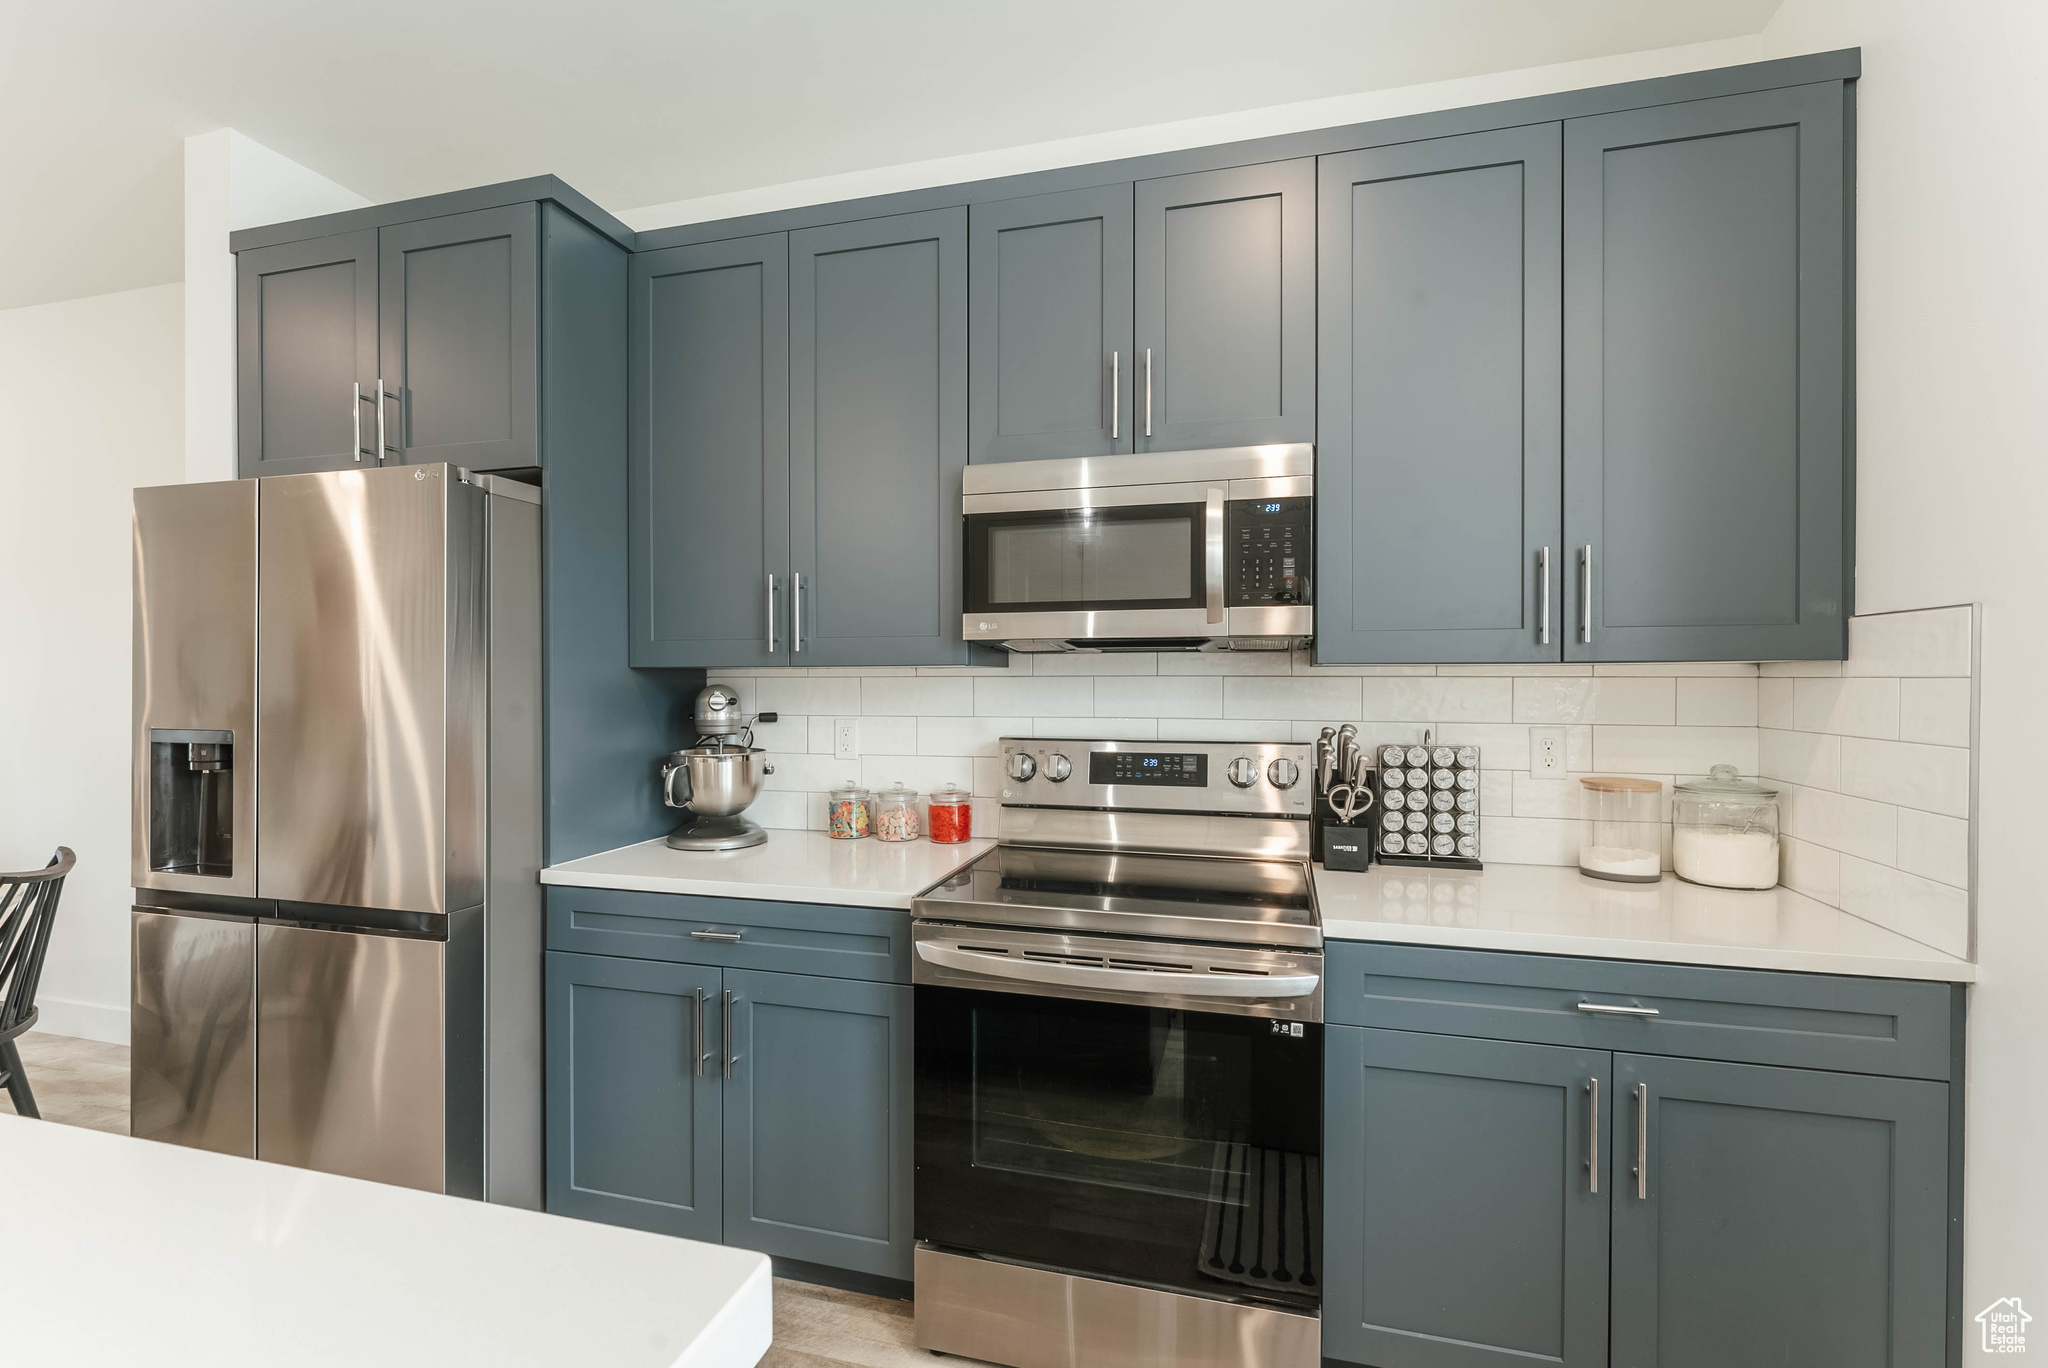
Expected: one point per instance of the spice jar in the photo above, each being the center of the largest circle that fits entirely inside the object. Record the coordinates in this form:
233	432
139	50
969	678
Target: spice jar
1725	831
1619	829
849	813
896	816
952	816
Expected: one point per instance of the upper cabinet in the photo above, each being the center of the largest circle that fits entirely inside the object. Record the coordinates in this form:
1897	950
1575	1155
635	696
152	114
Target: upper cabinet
1226	307
1583	389
1049	316
306	355
1171	314
710	453
411	342
1706	490
1438	490
799	425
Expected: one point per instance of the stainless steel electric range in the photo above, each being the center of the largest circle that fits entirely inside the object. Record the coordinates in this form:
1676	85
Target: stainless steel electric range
1119	1066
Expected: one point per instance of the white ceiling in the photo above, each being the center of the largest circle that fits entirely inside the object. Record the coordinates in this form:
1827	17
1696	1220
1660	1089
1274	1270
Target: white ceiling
645	103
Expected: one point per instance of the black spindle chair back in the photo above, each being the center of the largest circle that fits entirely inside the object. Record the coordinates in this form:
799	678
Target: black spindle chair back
28	908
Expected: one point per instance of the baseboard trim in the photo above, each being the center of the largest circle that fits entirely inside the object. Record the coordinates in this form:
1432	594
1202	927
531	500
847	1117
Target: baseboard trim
82	1020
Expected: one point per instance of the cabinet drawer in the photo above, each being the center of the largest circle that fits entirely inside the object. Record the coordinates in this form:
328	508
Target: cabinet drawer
795	938
1813	1021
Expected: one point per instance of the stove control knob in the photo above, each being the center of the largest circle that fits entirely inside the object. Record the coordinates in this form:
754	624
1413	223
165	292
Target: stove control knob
1022	766
1058	767
1243	771
1283	774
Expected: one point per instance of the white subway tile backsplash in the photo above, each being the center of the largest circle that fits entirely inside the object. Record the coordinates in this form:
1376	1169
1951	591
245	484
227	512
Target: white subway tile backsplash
1037	696
1931	913
1936	711
1692	669
1437	700
1673	750
1814	870
804	696
1774	702
1930	778
1529	840
964	735
1225	729
1320	697
1808	758
1935	847
1800	669
1181	696
911	696
1226	663
1099	728
780	809
924	773
1931	642
1718	702
1847	707
1096	663
885	736
1518	671
1625	700
1560	798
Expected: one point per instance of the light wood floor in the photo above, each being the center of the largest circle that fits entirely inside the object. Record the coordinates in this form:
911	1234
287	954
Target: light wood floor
85	1083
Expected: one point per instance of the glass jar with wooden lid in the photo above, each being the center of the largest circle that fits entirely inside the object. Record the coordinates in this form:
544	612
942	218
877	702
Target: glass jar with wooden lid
1621	830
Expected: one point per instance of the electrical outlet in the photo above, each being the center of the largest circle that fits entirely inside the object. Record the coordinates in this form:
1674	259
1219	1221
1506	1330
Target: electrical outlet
845	738
1546	752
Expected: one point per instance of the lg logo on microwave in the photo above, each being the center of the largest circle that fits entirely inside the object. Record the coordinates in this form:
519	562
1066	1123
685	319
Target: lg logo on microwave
1287	1028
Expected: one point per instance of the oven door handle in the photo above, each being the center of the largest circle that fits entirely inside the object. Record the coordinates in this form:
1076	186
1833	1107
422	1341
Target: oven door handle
1123	980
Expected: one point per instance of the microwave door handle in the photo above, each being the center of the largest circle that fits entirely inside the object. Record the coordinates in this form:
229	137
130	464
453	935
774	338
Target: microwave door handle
1213	566
1146	981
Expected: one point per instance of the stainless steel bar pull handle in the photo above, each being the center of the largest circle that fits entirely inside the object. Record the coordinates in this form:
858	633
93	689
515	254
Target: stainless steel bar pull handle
771	614
703	1053
796	611
1115	395
1543	594
1148	391
1605	1010
731	1058
1642	1169
1593	1135
382	444
356	411
727	937
1586	593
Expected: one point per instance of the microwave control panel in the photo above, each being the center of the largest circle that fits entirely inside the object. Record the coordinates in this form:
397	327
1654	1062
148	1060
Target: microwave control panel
1266	551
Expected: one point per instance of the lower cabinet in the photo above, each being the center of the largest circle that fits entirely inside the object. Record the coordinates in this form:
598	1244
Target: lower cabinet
1495	1201
765	1110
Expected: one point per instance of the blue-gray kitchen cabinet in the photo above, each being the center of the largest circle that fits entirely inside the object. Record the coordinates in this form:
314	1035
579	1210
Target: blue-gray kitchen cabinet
1707	489
1225	307
1049	317
1781	1216
633	1055
1439	532
710	453
306	354
817	1120
878	440
1465	1224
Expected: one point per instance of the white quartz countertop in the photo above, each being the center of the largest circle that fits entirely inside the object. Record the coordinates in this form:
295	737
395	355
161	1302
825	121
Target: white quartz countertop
792	866
1559	911
119	1251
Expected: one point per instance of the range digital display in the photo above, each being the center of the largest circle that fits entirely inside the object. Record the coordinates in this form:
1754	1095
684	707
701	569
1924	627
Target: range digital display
1159	768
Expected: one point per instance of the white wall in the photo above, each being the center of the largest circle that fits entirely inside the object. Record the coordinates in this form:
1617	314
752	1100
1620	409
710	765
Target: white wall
231	181
91	405
1952	494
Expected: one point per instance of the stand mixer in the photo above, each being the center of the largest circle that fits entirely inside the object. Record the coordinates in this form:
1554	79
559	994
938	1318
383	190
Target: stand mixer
714	780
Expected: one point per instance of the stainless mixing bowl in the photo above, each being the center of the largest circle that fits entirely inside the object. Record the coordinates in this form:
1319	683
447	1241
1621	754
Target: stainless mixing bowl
713	781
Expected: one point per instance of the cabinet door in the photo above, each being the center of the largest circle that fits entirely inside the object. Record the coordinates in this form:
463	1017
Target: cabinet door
817	1120
633	1051
710	462
1462	1226
306	355
1787	1216
1226	307
1438	470
878	438
1049	307
458	304
1705	463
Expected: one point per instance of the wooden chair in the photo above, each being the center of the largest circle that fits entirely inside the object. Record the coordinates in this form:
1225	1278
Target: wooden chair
28	906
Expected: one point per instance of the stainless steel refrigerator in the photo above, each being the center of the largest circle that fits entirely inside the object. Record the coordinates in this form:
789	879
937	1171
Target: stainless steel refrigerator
337	926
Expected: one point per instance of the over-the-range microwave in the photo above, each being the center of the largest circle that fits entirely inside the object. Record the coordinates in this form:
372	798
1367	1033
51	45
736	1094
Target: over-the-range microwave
1161	551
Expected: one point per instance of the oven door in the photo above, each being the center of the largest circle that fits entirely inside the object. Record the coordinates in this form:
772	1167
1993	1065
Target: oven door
1169	1147
1143	561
